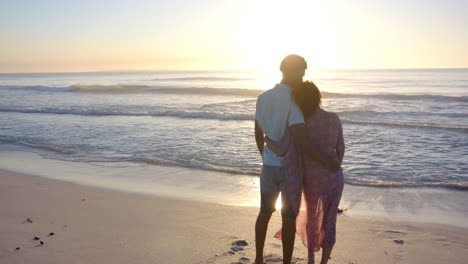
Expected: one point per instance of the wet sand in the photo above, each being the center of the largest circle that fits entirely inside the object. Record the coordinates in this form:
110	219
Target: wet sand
93	225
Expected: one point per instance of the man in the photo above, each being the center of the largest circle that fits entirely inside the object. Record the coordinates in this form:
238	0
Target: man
275	112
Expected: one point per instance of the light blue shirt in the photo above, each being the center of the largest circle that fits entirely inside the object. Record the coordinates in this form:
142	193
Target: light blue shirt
275	111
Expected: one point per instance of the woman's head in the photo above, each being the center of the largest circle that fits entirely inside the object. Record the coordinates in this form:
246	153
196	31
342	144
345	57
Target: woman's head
308	98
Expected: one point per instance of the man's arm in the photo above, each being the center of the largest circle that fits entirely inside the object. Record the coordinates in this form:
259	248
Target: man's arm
259	137
304	144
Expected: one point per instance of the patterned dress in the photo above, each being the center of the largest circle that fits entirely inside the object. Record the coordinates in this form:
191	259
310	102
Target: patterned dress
314	190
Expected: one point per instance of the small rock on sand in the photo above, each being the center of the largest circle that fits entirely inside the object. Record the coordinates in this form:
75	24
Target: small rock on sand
401	242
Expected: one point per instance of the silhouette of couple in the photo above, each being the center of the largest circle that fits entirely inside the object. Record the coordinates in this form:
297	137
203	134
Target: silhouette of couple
302	149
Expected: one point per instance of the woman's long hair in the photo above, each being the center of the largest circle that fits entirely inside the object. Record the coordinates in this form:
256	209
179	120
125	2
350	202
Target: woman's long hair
308	98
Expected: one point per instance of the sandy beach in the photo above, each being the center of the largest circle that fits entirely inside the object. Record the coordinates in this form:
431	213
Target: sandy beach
92	225
135	132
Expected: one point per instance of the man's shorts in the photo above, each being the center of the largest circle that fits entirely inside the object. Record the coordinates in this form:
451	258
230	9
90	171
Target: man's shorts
272	182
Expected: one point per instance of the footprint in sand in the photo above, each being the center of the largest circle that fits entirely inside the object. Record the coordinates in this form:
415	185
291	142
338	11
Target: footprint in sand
244	259
275	258
238	251
274	245
238	245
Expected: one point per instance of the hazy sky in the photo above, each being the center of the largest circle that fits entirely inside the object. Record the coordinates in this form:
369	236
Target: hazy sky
93	35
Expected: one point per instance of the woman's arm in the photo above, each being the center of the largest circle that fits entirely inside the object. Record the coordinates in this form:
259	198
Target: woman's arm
274	146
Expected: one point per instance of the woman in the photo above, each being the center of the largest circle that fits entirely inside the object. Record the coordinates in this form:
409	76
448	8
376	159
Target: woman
321	187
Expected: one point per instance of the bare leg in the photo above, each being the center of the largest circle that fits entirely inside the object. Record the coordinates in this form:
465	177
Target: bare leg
260	234
311	256
288	236
326	252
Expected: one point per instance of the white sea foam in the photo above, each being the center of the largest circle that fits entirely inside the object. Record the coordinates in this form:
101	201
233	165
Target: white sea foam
184	113
125	88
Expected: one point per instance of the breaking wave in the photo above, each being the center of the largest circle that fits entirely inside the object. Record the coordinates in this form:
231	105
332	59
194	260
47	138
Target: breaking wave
173	113
33	144
359	122
194	114
125	88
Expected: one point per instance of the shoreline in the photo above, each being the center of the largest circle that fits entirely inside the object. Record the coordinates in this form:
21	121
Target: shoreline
422	205
94	225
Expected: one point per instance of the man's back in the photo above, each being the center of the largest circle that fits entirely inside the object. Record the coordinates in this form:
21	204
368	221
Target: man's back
275	111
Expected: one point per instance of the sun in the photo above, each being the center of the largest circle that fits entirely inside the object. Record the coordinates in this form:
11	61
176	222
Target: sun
275	29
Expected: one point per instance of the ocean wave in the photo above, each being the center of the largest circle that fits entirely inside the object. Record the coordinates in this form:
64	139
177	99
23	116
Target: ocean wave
169	113
397	96
205	115
256	172
249	92
381	184
125	88
202	79
39	88
211	91
64	152
165	90
419	114
130	88
232	103
147	161
230	170
204	166
195	114
33	144
359	122
117	88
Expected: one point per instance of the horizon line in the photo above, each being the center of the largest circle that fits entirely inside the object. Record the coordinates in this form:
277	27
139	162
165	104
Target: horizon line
231	70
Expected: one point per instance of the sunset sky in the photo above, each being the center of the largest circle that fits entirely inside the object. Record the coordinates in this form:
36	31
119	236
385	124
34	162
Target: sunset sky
90	35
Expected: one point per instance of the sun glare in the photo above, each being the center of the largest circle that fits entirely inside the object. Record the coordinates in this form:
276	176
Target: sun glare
278	203
283	28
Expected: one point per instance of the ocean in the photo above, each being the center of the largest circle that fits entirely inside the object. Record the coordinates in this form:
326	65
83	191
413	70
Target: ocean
402	128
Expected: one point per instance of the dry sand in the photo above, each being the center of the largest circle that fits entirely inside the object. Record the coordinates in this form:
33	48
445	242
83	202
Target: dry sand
92	225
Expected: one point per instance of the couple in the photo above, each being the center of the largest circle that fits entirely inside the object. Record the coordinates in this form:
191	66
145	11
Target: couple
302	160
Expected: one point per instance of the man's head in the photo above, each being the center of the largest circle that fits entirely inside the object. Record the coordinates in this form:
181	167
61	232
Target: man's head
293	68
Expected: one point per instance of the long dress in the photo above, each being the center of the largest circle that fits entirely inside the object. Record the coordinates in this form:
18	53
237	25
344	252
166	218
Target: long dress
314	190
